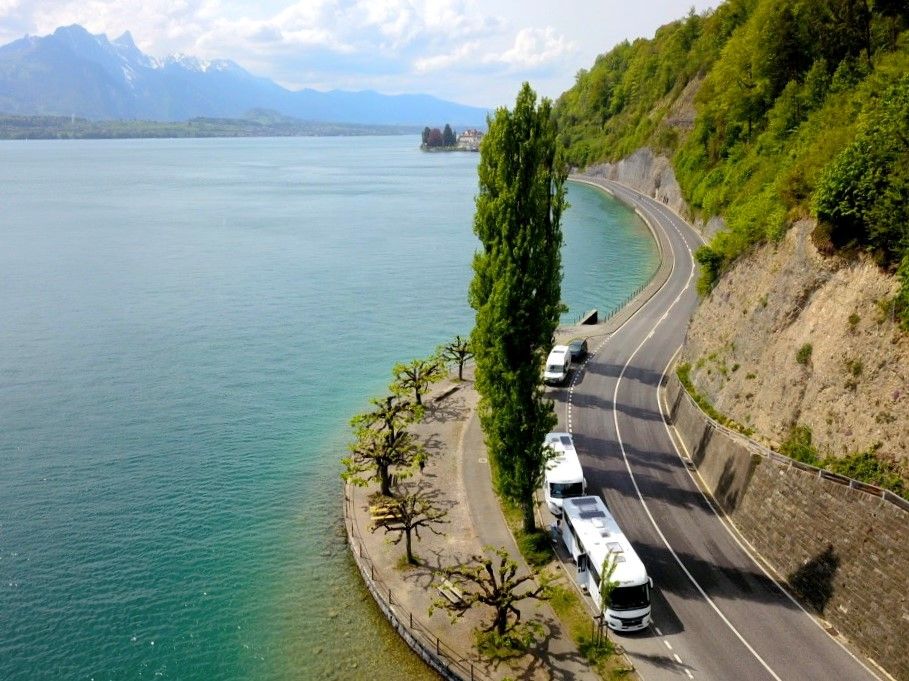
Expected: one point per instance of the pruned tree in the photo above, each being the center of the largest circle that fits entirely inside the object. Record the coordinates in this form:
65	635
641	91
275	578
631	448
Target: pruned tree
457	351
389	413
374	455
416	377
516	291
383	444
407	513
493	580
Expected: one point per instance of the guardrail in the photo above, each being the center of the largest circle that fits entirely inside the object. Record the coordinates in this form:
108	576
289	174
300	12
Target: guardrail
768	453
450	663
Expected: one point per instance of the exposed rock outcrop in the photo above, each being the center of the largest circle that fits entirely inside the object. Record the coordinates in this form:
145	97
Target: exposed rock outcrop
851	387
653	175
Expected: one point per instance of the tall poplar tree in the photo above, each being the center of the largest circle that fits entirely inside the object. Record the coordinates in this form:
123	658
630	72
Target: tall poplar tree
516	290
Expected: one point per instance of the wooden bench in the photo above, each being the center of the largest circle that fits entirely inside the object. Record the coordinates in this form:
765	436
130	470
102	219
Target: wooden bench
451	593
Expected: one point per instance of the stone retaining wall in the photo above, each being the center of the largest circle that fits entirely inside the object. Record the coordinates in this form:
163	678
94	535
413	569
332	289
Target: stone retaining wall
844	551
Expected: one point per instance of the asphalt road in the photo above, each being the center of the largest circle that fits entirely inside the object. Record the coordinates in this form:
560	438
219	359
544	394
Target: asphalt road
717	615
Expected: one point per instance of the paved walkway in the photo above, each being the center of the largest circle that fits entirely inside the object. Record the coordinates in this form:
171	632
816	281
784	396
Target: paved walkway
458	474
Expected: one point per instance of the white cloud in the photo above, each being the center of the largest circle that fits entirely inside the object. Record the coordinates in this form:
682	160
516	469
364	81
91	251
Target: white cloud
460	55
484	47
534	47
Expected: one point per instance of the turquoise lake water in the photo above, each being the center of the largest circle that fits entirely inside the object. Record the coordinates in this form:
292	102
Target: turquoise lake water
186	326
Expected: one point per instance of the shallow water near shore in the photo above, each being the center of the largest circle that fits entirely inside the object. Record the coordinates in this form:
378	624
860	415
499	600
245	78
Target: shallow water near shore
187	326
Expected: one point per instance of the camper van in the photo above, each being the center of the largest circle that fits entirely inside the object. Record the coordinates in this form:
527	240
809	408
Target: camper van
593	537
564	477
557	365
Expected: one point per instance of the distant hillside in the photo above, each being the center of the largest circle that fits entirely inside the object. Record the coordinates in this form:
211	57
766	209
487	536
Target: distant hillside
257	123
75	73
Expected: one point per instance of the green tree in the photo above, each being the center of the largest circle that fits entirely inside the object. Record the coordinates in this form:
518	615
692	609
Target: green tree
425	137
493	580
457	351
383	444
516	290
449	139
411	510
862	193
607	586
416	377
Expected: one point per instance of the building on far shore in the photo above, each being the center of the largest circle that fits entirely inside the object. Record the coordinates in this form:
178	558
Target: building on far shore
469	140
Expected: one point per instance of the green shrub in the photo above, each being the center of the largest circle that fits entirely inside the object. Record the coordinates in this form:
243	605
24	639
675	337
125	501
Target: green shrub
854	319
536	547
869	467
798	446
803	354
854	367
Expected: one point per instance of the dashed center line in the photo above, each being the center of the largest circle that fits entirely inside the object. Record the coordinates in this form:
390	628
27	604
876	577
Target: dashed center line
668	644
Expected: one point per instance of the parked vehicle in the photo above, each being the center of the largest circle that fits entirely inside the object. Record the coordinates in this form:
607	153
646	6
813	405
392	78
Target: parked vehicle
557	365
564	477
592	536
578	349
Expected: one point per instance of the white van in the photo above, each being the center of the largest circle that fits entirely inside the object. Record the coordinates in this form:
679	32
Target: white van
564	477
557	365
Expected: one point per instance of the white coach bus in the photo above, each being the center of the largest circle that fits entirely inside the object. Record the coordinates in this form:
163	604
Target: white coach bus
591	534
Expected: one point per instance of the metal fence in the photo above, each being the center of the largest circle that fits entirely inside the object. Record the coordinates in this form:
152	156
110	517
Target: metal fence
450	663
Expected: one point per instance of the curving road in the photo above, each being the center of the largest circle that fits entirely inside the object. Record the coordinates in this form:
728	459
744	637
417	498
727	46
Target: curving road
717	615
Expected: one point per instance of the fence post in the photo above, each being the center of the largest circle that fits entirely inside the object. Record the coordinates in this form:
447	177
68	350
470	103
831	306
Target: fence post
411	619
437	646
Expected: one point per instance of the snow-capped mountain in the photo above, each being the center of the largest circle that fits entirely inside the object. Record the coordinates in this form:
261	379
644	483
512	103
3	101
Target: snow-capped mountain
72	71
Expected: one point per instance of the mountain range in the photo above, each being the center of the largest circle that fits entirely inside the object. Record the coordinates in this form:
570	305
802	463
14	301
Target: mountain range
73	72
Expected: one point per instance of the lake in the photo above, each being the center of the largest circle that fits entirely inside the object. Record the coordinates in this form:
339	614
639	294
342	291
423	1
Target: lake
186	327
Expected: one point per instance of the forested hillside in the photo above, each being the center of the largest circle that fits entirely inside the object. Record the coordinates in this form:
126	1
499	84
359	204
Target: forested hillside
771	111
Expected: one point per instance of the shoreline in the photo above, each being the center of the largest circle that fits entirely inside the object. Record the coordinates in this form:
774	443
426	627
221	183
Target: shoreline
402	609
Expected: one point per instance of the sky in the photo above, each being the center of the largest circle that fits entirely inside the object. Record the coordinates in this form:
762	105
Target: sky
467	51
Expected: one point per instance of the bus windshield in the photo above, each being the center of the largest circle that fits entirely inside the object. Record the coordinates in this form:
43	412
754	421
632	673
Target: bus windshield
629	597
566	490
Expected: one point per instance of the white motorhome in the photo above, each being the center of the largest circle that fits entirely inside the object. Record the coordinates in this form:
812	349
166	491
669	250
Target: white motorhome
592	536
557	365
564	477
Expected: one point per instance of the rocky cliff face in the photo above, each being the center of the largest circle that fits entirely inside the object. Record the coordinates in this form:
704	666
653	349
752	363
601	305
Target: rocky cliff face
852	389
653	175
789	336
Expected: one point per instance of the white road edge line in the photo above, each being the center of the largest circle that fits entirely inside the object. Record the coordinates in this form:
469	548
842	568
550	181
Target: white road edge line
732	530
743	543
637	490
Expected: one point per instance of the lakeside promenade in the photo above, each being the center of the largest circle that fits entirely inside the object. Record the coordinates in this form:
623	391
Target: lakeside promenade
458	471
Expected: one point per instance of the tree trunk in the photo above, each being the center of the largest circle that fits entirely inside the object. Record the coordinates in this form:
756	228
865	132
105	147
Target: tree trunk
460	371
408	547
385	481
501	622
530	523
418	397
